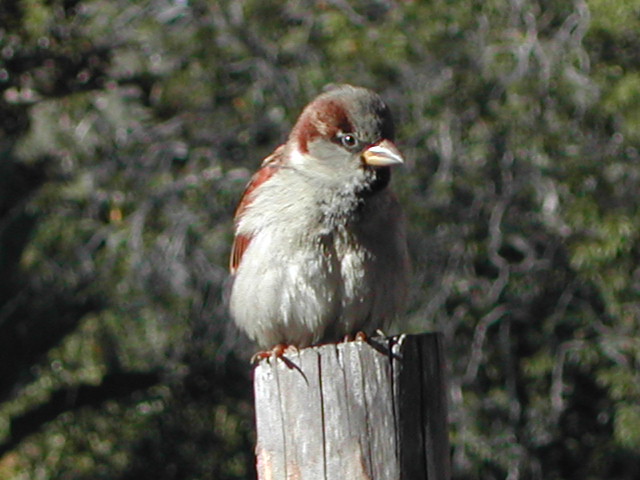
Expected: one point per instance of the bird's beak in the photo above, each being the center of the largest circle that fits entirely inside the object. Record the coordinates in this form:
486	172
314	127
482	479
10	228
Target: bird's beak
382	154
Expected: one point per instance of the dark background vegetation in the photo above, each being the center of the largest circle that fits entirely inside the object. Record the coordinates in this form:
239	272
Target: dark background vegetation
129	128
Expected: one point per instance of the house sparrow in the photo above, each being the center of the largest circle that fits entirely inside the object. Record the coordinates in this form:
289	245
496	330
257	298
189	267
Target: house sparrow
320	248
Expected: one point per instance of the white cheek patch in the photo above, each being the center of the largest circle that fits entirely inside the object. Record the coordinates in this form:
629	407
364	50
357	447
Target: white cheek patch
297	158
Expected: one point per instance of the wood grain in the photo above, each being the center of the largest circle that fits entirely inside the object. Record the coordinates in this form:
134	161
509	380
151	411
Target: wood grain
354	410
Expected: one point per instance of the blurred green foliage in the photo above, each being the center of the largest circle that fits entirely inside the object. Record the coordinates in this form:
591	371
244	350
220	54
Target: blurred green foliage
128	130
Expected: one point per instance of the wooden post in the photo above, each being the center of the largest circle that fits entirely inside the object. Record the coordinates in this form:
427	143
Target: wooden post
354	410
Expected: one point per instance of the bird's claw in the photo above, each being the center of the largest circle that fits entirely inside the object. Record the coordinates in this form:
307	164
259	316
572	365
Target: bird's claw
276	352
360	336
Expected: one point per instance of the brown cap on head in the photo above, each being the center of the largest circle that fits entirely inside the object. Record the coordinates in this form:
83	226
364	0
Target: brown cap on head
345	109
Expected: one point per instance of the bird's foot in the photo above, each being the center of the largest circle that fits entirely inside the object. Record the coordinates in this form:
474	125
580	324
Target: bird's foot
276	352
360	336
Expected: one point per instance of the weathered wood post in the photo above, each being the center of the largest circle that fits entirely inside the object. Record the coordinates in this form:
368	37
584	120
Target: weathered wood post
354	411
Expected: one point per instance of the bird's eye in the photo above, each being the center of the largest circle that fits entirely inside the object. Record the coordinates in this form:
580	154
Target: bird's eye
349	141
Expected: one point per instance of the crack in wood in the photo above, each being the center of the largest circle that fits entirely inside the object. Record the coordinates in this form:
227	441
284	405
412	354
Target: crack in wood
355	411
322	420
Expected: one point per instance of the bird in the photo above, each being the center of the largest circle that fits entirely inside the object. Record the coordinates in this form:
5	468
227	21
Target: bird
320	251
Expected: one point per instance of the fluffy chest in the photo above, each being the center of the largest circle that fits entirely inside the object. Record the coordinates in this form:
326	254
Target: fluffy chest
295	206
307	248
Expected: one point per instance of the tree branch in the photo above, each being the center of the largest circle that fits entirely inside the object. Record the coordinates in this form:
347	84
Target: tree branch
114	385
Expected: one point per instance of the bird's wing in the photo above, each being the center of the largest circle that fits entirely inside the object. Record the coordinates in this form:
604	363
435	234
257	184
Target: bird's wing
269	166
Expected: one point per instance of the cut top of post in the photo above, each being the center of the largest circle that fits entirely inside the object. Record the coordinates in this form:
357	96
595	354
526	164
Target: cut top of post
356	410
